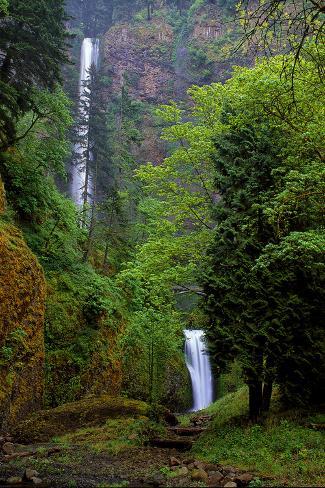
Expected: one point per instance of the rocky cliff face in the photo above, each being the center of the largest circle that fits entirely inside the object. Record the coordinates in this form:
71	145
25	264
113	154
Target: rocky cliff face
162	57
22	295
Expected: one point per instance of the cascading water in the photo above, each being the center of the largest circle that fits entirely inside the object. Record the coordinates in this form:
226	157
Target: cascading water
198	364
89	56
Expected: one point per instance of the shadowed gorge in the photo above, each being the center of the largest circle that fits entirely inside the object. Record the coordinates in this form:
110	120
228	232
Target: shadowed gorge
161	243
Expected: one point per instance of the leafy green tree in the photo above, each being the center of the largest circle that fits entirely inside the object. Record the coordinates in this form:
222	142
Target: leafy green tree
285	26
257	163
39	155
3	7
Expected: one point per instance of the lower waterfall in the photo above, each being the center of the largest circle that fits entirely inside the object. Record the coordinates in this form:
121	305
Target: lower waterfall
198	364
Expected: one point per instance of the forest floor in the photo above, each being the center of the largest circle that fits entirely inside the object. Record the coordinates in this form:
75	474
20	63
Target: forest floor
116	452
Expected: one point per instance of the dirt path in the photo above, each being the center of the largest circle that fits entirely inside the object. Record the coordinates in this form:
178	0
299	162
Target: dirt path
80	467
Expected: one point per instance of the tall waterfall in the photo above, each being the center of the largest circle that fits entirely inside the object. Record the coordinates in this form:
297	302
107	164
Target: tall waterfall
89	55
198	364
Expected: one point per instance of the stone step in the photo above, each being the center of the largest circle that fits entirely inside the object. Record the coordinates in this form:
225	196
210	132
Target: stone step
180	444
187	431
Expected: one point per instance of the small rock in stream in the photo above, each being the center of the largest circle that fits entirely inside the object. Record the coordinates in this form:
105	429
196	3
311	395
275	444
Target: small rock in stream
189	461
36	481
8	448
230	477
53	450
14	480
30	474
199	475
230	484
174	461
183	471
245	478
215	478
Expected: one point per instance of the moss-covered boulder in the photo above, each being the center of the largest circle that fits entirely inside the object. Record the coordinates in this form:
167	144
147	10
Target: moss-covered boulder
88	412
22	296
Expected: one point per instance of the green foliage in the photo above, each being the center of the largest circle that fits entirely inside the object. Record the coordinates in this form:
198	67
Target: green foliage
282	448
43	151
33	42
251	168
83	311
248	318
3	7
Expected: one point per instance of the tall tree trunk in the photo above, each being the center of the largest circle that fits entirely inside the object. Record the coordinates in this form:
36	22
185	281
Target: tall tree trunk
107	239
267	394
92	219
255	399
268	383
151	372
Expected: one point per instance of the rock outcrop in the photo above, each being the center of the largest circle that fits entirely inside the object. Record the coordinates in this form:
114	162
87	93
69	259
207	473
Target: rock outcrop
22	295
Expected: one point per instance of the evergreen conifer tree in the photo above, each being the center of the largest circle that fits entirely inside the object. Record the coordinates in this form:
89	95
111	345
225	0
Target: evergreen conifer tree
32	50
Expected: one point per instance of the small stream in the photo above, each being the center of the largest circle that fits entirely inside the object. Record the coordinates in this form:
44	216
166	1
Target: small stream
198	364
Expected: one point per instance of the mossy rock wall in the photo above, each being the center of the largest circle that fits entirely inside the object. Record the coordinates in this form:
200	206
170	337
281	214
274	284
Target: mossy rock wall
177	386
22	297
2	197
82	354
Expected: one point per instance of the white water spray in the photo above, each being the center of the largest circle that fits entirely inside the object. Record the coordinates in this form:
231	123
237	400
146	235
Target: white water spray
89	55
198	364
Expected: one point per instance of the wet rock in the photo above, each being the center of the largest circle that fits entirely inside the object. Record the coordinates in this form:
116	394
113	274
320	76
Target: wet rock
8	448
199	465
53	450
183	471
170	418
5	438
230	484
158	480
16	455
14	480
199	475
211	467
36	481
174	461
189	461
230	477
215	478
29	474
245	478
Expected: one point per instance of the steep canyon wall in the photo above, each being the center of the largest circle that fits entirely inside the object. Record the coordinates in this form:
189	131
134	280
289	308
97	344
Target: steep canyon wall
22	299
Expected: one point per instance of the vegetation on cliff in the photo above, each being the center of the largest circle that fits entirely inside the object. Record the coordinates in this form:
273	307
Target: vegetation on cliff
222	230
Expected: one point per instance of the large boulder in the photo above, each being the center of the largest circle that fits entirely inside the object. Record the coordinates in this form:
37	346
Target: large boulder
22	298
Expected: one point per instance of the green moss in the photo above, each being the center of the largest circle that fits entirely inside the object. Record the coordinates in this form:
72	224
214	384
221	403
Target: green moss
83	323
92	411
22	297
114	436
